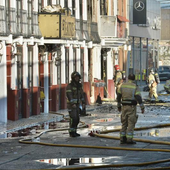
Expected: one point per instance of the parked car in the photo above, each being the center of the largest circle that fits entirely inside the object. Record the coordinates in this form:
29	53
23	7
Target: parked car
164	73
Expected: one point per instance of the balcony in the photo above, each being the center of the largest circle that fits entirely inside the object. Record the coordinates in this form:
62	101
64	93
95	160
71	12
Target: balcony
107	26
93	32
3	24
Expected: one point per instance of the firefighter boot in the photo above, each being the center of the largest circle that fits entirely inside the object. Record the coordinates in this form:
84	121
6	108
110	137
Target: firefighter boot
123	140
72	134
130	142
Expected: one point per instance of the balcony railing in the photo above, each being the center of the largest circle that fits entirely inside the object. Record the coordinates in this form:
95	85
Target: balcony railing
3	24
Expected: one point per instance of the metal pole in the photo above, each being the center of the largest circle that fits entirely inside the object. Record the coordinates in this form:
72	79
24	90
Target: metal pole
133	44
154	54
140	61
157	54
147	51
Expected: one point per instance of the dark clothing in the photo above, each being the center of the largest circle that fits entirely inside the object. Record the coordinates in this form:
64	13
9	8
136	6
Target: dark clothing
118	80
75	97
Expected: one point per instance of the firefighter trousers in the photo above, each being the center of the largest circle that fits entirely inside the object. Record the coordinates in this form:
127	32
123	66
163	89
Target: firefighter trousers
153	92
128	120
74	119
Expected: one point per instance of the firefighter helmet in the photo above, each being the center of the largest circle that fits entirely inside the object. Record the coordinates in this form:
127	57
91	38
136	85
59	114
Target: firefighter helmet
74	74
117	67
131	77
152	71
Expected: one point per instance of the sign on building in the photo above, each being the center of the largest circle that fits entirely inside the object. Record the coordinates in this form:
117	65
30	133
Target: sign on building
139	11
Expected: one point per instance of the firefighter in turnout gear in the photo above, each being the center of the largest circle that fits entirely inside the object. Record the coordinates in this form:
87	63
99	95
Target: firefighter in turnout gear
118	77
152	81
75	98
127	98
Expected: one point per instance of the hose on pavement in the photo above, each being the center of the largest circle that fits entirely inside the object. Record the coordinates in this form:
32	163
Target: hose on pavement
83	125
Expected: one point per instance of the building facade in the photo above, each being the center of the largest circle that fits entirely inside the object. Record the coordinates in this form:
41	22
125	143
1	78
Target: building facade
43	41
144	40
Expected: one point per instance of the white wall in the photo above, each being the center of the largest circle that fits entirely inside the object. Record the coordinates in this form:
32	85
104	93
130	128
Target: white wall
153	10
35	66
3	85
85	64
46	85
25	66
110	65
63	69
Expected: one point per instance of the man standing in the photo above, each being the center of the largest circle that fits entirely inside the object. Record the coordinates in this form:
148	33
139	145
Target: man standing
75	98
152	85
128	96
118	78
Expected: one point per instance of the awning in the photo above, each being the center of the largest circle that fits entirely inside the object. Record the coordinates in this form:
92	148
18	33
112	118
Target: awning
122	19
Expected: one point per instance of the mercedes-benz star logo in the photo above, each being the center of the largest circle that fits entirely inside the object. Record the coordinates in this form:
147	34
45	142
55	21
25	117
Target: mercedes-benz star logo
139	6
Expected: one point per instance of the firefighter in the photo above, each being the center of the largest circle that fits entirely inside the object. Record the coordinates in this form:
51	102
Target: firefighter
167	86
153	81
127	98
118	78
75	99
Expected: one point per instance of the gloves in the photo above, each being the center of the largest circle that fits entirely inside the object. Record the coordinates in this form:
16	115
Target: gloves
119	109
142	110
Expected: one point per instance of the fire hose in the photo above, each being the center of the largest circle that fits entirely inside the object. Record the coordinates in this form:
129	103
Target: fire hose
99	134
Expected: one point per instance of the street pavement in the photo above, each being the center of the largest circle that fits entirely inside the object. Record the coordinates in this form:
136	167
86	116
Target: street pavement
16	155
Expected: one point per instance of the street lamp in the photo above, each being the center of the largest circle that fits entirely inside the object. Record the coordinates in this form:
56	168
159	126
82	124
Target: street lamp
57	61
43	57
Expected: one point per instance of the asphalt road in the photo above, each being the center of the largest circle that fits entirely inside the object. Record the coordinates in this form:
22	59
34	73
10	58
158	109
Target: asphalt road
15	155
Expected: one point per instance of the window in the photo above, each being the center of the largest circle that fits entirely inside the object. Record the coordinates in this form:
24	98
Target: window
81	10
89	10
73	7
103	7
66	4
30	9
19	14
39	6
7	13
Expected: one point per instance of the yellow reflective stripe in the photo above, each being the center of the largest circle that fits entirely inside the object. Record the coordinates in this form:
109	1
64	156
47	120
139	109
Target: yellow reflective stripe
68	91
137	93
128	86
129	136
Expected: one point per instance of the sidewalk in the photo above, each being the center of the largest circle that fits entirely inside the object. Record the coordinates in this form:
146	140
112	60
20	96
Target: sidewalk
24	123
36	120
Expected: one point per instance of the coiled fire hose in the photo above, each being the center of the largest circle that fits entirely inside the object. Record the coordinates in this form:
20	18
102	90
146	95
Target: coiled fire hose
96	134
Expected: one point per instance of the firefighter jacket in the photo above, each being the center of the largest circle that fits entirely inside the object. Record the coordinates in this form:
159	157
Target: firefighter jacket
167	86
118	78
129	94
42	95
151	80
75	95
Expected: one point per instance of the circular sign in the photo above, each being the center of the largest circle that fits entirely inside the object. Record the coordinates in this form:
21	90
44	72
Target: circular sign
139	6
